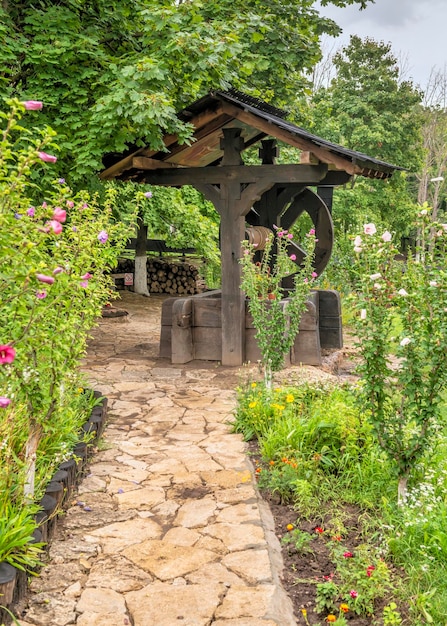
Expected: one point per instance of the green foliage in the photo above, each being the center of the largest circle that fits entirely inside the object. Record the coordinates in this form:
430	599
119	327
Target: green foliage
367	108
181	217
276	320
114	74
299	540
54	248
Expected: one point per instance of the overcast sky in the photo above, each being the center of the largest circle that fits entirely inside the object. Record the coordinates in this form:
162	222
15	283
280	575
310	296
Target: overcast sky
416	29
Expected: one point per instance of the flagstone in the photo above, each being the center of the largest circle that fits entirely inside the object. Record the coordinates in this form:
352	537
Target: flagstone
182	536
196	513
237	536
117	573
166	560
101	600
239	513
114	538
140	498
167	605
252	565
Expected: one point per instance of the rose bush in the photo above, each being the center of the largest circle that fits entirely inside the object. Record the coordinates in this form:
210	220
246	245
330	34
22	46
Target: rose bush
54	248
401	325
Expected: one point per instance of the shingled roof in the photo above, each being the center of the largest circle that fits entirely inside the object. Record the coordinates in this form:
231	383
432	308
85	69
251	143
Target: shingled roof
258	120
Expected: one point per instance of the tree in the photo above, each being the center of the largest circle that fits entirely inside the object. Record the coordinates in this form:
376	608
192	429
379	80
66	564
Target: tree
113	74
368	108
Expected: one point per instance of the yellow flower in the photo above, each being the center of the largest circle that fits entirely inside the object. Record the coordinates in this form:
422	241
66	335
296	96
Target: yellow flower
253	385
289	398
331	618
344	608
252	405
304	612
289	526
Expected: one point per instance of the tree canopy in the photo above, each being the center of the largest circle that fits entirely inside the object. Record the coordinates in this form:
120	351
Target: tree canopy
114	73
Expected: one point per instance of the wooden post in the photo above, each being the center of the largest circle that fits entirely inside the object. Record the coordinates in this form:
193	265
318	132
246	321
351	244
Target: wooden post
140	280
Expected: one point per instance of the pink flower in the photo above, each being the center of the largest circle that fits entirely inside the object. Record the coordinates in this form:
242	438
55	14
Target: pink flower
59	215
58	270
103	236
280	233
32	105
70	204
87	276
353	593
348	555
369	570
290	236
358	241
84	284
48	158
312	232
31	211
7	354
41	295
148	194
387	236
55	226
357	249
369	229
45	279
293	257
314	275
4	402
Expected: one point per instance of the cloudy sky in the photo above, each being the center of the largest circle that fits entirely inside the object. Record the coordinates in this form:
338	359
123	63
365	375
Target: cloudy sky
416	29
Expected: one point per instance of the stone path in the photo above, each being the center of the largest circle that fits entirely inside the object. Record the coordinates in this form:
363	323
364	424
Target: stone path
167	528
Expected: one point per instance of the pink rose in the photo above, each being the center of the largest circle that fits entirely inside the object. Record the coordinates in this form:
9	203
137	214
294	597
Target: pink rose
59	215
48	158
32	105
7	354
43	278
55	226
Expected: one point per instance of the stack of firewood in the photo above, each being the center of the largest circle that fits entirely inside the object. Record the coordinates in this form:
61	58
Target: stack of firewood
176	278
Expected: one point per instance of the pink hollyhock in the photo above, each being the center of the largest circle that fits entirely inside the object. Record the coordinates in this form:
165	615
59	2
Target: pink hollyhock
4	402
48	158
59	215
369	229
7	354
45	279
33	105
55	226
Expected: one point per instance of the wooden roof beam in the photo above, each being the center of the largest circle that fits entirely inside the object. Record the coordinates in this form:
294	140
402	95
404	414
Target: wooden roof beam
293	140
198	122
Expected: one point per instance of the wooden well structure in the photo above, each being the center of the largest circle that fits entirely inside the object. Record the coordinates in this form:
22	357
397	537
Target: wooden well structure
225	124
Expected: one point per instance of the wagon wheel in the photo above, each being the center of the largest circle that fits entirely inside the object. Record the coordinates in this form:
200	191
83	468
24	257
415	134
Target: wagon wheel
306	202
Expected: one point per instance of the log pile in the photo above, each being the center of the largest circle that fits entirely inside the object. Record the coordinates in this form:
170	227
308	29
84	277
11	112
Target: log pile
175	278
